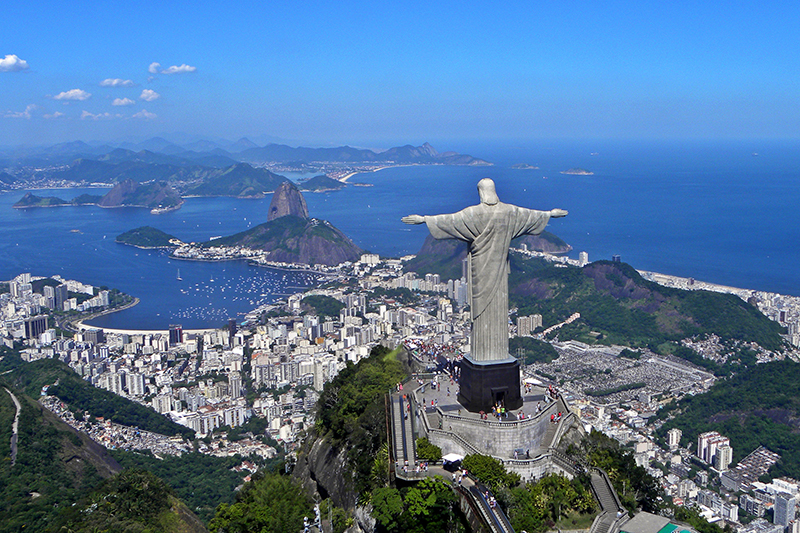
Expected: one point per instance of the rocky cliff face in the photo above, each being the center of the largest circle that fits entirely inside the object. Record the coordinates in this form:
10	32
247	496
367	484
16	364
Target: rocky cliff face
322	469
287	200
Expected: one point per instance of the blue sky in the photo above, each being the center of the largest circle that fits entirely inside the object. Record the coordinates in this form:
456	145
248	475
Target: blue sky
371	74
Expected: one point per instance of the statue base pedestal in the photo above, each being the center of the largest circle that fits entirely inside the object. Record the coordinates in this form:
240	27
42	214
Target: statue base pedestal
483	385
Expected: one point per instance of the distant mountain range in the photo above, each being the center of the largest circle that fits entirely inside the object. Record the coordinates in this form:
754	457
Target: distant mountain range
346	154
202	168
218	155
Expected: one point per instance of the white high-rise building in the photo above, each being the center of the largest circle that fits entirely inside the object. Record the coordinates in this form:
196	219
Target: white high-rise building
583	258
674	437
135	382
723	458
235	384
708	443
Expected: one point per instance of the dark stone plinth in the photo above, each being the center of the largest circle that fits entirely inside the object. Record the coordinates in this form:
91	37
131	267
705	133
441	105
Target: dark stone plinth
482	385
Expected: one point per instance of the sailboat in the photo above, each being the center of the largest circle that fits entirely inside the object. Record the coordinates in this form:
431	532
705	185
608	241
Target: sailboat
179	275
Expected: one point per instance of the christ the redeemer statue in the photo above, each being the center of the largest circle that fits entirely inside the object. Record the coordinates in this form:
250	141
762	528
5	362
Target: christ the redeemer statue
488	228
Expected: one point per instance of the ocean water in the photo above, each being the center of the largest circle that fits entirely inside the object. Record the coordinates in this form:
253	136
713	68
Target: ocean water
715	212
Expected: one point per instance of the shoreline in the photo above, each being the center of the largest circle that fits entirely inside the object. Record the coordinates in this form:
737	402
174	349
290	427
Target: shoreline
346	177
76	325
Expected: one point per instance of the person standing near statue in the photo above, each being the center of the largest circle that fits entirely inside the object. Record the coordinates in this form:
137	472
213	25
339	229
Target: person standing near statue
488	228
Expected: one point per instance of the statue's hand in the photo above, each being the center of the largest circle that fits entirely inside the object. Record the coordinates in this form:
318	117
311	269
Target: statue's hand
413	219
558	213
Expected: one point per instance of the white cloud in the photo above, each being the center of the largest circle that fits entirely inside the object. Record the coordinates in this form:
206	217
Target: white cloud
57	114
22	114
144	113
86	115
73	94
148	95
178	69
153	68
116	82
122	101
11	63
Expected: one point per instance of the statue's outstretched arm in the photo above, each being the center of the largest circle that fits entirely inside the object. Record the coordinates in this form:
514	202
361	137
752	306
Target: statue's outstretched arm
413	219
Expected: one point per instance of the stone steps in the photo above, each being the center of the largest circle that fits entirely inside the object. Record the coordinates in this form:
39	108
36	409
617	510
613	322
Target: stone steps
603	493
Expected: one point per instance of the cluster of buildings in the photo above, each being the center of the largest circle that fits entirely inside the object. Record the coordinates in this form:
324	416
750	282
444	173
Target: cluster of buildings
26	314
703	477
271	368
275	363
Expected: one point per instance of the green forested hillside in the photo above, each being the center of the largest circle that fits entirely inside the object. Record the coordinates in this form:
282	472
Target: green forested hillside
351	409
202	481
134	501
756	407
323	305
55	465
240	180
31	200
271	503
82	396
295	239
620	307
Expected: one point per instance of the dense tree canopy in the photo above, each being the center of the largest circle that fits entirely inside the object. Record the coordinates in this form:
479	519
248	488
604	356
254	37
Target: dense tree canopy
490	471
351	408
635	487
538	506
271	503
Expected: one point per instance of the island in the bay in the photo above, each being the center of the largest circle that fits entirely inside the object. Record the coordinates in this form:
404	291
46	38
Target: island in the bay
578	172
524	166
148	237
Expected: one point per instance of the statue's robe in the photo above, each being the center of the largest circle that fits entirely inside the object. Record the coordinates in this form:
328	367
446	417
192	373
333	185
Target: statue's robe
489	230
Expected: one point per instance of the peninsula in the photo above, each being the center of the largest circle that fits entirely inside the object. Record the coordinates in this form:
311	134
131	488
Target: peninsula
288	236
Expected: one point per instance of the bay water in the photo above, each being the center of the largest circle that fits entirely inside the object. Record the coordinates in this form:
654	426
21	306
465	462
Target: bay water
726	213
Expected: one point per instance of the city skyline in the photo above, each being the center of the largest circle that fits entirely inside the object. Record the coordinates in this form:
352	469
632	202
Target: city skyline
377	76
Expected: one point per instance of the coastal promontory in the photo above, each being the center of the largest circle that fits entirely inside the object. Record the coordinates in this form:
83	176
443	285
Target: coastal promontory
290	236
444	256
320	184
30	200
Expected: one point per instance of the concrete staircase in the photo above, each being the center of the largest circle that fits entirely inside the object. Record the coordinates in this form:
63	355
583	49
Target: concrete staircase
402	433
612	514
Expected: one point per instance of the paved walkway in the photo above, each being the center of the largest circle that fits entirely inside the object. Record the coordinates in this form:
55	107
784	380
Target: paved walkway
14	428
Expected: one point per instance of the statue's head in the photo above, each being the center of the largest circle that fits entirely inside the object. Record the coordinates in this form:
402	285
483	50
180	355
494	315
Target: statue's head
487	192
